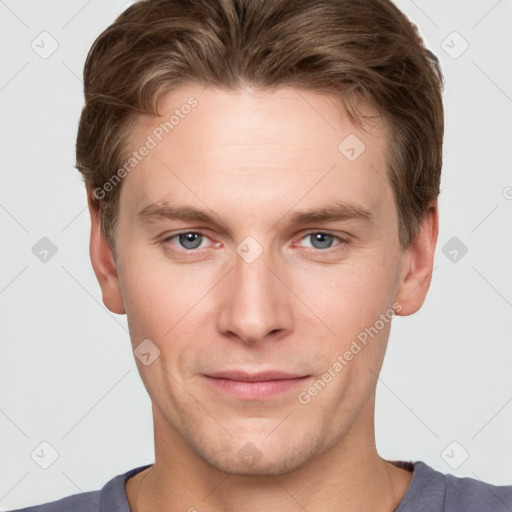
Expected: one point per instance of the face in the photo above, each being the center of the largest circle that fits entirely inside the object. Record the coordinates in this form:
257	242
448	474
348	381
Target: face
258	252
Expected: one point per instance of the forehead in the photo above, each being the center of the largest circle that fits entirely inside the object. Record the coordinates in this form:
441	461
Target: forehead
261	144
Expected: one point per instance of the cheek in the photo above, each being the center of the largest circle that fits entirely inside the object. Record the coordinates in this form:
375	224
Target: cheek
164	302
152	295
350	302
348	296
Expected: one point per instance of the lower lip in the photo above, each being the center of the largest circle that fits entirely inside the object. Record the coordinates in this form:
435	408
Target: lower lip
260	390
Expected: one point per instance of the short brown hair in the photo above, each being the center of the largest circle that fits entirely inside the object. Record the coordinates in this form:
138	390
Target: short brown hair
355	49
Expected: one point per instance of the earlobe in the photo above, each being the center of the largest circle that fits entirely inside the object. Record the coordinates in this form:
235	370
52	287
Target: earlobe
418	263
103	263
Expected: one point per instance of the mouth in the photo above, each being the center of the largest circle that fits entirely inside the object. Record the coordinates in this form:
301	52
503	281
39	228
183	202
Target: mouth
256	386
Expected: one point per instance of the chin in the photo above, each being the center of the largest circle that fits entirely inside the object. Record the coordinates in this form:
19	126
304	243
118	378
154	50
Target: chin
260	457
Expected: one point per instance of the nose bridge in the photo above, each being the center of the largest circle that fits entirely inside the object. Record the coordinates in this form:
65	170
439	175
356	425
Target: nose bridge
256	302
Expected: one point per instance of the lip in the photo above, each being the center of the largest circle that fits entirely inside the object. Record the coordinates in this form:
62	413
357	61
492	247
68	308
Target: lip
254	386
242	376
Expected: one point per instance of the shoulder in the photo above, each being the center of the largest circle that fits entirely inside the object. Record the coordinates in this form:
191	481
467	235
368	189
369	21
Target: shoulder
438	492
471	494
111	497
83	502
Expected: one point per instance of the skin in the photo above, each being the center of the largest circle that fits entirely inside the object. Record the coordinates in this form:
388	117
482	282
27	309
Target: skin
256	157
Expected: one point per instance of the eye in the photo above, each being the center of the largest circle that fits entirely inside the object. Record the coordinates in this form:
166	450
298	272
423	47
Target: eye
191	240
321	240
188	240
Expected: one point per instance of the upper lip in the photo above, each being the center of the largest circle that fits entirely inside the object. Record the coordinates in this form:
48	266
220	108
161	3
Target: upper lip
254	377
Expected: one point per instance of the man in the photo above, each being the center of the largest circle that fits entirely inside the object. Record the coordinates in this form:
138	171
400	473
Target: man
262	179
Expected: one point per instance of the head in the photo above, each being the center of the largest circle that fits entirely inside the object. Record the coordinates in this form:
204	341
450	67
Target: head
263	186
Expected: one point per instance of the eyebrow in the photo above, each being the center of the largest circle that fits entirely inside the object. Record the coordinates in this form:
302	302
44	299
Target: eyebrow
337	211
333	212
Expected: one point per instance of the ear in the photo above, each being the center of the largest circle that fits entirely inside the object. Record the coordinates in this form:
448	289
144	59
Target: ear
418	263
103	262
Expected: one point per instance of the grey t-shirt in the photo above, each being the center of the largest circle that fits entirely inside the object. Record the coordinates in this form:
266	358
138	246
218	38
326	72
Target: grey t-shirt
429	491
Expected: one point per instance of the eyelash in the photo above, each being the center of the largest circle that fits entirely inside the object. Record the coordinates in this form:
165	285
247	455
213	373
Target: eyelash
341	241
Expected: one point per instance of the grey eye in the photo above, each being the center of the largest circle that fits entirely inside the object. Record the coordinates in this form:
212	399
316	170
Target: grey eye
321	240
190	240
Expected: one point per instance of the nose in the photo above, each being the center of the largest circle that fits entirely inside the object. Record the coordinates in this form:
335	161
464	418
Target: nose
256	304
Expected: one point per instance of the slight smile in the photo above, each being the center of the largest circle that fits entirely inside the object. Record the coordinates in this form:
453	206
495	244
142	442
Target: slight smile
258	386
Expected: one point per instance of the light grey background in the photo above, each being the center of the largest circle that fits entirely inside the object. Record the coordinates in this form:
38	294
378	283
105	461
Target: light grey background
68	375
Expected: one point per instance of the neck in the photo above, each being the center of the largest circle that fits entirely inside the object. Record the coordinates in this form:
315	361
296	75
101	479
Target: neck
350	475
